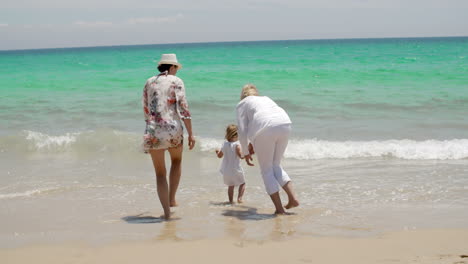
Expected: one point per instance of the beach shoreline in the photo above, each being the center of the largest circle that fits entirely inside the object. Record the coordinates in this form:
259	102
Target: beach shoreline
378	155
414	246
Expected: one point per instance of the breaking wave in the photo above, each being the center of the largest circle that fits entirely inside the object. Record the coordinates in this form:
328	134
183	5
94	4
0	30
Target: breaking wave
304	149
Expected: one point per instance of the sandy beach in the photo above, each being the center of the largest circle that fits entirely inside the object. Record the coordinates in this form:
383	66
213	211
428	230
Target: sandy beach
421	246
378	154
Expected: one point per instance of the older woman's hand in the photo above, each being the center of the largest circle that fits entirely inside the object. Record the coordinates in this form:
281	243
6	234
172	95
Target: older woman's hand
251	149
248	160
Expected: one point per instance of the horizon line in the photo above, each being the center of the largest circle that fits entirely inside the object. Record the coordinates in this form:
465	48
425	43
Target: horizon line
232	41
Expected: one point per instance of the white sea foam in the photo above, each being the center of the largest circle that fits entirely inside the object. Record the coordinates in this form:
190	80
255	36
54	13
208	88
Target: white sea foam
306	149
28	193
46	142
91	141
303	149
210	144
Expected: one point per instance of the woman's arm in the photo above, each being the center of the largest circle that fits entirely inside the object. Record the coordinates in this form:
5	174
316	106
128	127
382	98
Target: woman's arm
184	113
144	101
191	138
182	105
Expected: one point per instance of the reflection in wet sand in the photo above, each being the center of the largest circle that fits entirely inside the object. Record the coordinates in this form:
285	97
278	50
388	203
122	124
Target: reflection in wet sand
169	231
280	226
247	213
283	226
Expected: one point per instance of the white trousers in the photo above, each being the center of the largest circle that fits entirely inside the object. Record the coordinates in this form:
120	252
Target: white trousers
269	146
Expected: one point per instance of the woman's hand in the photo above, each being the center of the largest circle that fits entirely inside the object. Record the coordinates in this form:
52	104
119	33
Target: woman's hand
191	141
248	160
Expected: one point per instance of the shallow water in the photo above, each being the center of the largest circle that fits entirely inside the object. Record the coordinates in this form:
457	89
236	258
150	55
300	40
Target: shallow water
379	140
113	197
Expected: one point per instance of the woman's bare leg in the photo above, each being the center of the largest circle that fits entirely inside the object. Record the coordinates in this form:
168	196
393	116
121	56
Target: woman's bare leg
175	173
231	193
157	155
276	199
293	202
240	193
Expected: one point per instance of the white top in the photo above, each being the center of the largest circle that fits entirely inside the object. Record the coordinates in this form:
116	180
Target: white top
255	113
230	167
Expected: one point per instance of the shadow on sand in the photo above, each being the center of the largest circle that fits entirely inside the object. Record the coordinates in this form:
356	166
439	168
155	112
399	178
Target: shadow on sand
143	218
247	213
221	203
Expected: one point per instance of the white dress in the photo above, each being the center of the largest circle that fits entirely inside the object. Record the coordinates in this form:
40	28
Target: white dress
232	172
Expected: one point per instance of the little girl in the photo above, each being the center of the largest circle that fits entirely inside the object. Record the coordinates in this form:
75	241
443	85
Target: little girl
231	170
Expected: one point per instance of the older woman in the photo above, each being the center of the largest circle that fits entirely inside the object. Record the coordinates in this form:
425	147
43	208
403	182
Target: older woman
164	106
266	126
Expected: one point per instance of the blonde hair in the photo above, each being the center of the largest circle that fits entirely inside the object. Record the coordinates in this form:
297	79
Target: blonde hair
231	132
248	90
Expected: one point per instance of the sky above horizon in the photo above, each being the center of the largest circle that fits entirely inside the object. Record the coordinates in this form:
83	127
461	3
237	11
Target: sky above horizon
32	24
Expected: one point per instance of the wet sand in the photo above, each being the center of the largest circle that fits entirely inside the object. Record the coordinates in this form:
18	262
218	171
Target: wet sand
421	246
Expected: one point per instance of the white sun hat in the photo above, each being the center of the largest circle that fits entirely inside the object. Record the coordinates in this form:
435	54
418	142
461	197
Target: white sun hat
170	59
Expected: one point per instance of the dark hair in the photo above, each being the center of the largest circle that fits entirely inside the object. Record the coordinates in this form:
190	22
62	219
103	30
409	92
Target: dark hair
164	67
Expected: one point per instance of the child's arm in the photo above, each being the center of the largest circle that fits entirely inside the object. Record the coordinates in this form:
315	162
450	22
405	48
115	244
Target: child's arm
219	153
238	152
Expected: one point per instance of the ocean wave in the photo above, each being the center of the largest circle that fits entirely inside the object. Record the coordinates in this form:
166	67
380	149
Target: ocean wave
53	190
402	149
309	149
107	140
43	141
28	193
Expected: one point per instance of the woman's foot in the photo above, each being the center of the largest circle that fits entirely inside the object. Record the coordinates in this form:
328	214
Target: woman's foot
292	204
239	200
278	212
284	213
173	204
167	215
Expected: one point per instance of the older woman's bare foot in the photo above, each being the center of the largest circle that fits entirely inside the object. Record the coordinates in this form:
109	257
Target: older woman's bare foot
239	200
292	204
173	204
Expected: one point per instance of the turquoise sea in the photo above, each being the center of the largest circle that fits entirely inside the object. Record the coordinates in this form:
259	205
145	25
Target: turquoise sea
379	141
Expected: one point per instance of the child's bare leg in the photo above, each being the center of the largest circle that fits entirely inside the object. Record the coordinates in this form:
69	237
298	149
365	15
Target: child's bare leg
240	193
276	199
231	193
293	202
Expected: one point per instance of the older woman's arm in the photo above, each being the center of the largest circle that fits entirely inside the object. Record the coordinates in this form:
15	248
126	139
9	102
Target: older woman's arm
242	128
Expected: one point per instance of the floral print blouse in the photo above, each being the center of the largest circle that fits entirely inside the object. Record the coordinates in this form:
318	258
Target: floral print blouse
164	105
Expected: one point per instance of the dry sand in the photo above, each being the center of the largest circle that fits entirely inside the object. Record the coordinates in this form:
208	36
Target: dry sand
420	246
